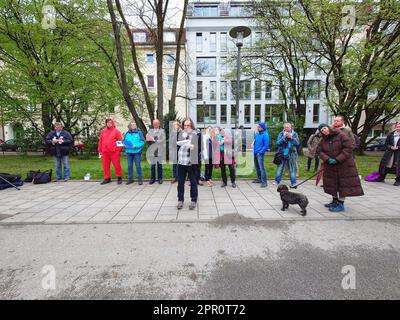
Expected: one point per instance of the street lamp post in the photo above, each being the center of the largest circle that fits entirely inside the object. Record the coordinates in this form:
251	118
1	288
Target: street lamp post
238	33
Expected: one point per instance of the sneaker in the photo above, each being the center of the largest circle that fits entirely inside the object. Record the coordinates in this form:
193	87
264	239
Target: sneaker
66	180
140	182
180	205
338	208
223	185
152	181
397	184
234	185
257	181
331	204
160	181
274	183
106	181
193	205
129	182
263	185
119	180
174	181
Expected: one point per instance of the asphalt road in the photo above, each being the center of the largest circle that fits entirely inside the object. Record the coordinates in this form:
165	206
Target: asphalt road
220	260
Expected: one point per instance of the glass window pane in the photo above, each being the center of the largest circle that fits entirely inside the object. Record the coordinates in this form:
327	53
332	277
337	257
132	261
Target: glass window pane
150	81
199	42
213	90
207	67
223	113
257	113
224	42
213	41
257	91
224	90
247	114
268	90
199	90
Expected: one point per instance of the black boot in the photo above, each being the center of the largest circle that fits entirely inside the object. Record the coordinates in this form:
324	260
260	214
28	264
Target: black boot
119	180
106	181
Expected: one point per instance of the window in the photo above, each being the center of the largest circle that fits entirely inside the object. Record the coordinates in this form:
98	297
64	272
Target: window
239	11
139	37
257	115
316	113
268	90
233	113
169	37
224	90
150	58
199	90
170	81
257	37
213	90
223	114
207	67
312	88
150	81
223	67
245	89
213	41
257	91
206	11
274	113
247	114
170	58
199	42
207	114
224	42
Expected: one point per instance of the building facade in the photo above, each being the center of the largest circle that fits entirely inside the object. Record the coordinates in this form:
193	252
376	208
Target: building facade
212	81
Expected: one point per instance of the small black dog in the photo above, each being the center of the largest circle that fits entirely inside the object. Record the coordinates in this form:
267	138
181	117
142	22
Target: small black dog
288	197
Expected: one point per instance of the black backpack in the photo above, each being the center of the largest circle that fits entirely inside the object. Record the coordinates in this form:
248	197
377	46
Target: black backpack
42	177
31	175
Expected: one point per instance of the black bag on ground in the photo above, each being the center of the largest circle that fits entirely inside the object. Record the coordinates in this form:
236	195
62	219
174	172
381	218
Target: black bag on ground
30	175
278	158
15	179
43	177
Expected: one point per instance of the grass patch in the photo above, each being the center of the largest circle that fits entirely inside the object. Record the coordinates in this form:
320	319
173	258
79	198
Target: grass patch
22	164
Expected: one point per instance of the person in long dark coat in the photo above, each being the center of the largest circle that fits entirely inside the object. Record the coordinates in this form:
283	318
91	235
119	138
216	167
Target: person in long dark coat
390	162
340	177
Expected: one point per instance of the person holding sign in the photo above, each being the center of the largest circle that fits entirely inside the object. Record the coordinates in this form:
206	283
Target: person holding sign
109	148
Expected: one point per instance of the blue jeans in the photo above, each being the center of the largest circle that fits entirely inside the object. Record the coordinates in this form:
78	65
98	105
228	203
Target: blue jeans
291	165
259	164
134	158
63	161
159	171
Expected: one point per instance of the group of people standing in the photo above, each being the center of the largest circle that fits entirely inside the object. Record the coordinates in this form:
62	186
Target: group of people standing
335	145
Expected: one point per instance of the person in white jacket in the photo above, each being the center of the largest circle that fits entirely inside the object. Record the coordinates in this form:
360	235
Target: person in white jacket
207	155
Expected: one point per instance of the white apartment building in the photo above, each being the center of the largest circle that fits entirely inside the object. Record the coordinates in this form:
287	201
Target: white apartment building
211	93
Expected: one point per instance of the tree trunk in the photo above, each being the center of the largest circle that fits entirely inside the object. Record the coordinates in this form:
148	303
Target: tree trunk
172	103
124	82
159	47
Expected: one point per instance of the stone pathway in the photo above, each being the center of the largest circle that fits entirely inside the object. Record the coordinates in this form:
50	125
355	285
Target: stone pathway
89	202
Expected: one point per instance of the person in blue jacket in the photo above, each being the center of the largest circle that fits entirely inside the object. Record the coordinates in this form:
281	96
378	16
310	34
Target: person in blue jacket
261	145
133	143
287	143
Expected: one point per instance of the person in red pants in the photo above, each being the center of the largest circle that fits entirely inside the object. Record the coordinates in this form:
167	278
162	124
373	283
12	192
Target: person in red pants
109	151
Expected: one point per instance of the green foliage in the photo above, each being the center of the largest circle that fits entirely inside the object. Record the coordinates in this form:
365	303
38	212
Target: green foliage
60	74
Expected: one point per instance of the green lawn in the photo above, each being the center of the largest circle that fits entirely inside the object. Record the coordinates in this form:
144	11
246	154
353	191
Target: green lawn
22	164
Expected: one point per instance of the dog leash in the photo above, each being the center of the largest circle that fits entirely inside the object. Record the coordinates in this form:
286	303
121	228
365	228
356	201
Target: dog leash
309	178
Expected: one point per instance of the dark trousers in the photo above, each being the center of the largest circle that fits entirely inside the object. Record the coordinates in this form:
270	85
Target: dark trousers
159	172
175	171
223	170
197	171
183	172
208	170
309	161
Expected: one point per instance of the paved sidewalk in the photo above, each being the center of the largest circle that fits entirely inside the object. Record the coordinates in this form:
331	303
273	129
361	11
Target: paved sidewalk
89	202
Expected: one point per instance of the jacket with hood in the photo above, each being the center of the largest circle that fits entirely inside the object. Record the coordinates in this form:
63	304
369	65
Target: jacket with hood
134	139
261	140
108	139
